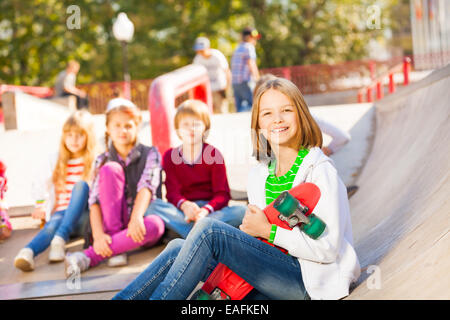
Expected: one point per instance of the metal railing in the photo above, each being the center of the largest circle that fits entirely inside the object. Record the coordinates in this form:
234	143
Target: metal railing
321	78
100	93
311	79
378	83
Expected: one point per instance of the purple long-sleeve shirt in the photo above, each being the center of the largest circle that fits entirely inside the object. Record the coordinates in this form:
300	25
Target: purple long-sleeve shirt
150	177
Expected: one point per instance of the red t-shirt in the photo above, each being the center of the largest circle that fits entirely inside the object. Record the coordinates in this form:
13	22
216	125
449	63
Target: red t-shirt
205	179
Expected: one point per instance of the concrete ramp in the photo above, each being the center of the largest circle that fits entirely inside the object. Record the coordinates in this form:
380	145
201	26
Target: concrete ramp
25	112
401	213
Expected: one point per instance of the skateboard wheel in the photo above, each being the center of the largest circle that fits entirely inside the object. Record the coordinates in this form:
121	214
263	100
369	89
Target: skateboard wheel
314	228
201	295
285	204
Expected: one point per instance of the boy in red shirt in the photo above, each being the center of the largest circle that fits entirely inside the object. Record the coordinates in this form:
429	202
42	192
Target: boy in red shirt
196	179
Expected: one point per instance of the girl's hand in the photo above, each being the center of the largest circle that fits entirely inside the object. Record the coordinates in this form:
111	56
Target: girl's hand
38	213
327	151
201	213
189	209
136	229
101	245
255	223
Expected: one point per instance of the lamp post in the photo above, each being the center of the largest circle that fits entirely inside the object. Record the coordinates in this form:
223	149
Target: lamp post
123	30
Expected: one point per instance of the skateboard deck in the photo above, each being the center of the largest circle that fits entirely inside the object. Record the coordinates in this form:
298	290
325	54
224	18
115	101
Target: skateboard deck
223	283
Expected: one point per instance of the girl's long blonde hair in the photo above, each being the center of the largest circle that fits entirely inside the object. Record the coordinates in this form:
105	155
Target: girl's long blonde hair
80	121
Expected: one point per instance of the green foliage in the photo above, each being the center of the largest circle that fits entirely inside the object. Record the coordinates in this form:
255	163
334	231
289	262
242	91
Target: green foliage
35	42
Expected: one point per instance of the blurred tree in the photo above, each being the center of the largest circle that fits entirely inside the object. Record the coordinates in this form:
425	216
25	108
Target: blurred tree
36	41
401	27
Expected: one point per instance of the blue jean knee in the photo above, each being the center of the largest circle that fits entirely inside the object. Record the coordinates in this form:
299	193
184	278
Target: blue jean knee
80	186
173	218
231	215
75	211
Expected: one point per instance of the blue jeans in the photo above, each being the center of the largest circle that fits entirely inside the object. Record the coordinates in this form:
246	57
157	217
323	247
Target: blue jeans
64	223
174	218
243	96
175	273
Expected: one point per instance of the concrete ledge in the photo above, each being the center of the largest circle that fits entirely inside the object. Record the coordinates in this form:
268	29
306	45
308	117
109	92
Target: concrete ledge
9	110
61	288
20	211
24	112
70	102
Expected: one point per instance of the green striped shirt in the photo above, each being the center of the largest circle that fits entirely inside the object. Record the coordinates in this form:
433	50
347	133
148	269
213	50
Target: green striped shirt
276	185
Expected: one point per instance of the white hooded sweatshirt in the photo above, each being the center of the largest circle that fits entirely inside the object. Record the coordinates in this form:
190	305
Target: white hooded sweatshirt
328	264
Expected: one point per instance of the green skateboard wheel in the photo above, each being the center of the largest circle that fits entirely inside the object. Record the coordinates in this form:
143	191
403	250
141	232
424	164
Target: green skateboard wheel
285	204
202	295
314	228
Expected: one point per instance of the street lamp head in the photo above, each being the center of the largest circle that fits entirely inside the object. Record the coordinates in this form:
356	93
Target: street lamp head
123	28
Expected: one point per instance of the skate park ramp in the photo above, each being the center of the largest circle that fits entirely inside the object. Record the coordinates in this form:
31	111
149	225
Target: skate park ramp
400	214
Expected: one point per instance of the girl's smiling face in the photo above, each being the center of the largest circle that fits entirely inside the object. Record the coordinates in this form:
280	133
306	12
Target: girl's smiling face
277	118
191	129
122	129
75	141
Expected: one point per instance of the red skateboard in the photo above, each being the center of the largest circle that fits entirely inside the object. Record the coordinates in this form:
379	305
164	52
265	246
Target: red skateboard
224	284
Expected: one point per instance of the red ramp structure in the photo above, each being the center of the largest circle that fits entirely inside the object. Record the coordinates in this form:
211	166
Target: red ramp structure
191	82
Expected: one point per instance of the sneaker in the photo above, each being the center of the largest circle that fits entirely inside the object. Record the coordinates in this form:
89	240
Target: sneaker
76	262
118	261
57	249
25	260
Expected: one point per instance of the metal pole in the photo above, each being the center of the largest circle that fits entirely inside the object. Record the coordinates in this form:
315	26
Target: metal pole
126	74
406	70
380	89
391	83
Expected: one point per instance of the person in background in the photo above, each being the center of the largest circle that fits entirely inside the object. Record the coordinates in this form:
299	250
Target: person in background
196	177
126	180
218	72
61	192
244	70
65	85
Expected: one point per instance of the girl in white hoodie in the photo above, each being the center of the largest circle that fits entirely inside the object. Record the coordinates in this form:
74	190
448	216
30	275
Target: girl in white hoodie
287	144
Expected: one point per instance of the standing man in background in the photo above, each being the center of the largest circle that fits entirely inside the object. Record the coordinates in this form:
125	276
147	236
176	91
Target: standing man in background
244	70
218	72
65	85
